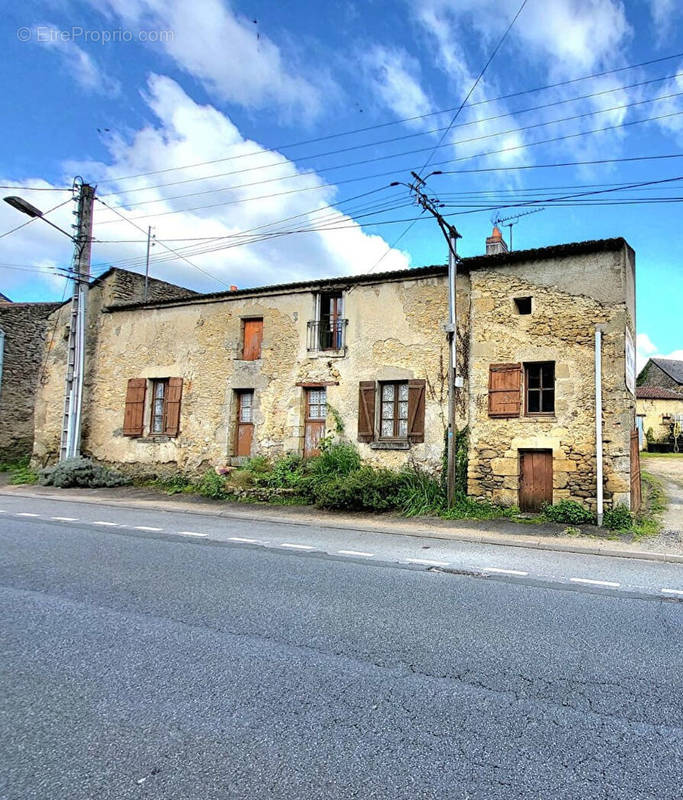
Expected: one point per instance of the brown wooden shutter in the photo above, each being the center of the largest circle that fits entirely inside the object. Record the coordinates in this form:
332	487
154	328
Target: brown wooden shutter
366	411
253	336
174	393
505	382
133	419
416	411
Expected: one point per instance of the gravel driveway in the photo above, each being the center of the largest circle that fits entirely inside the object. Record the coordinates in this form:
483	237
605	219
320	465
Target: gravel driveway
670	472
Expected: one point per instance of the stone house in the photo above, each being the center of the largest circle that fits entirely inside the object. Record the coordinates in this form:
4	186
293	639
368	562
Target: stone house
33	334
666	373
659	399
205	381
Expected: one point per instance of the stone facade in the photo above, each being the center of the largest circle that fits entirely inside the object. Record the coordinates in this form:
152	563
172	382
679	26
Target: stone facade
394	332
657	414
24	328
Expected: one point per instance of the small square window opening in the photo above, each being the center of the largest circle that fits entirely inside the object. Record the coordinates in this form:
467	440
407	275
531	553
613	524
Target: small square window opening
523	305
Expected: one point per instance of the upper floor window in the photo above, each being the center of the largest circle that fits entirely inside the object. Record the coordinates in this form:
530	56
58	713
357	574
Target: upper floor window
252	336
523	305
328	330
539	380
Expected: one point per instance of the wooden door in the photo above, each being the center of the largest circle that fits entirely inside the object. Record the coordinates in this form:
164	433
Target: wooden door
636	497
535	479
315	416
245	424
253	336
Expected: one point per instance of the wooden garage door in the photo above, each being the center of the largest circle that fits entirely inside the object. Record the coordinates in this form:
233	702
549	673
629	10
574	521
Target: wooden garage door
535	479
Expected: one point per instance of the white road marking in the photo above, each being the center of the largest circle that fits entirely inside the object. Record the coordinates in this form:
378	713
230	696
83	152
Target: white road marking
242	539
613	584
2	511
27	514
355	553
146	528
673	591
65	519
191	533
505	571
427	562
108	524
297	546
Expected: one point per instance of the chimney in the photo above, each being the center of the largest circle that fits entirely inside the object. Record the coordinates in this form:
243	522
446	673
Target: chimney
495	242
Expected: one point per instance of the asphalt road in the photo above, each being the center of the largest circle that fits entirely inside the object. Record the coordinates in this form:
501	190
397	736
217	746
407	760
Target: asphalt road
140	664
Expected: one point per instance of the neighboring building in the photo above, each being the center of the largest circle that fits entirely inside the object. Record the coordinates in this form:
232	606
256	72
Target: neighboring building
31	334
23	330
209	380
665	373
4	299
658	410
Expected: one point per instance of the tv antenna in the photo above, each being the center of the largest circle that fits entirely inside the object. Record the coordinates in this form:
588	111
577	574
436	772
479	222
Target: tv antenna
513	220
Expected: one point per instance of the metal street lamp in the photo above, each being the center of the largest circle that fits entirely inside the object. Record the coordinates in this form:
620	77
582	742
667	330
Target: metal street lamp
31	211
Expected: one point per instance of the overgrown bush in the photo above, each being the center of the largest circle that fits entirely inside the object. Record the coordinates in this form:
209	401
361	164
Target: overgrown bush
568	512
81	472
618	518
335	459
363	489
289	472
469	508
175	483
420	493
213	485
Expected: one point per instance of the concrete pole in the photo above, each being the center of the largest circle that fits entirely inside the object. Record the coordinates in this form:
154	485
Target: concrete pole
598	421
149	241
452	362
71	430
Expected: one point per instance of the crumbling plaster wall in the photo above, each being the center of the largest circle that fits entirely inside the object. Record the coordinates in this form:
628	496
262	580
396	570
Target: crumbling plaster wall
395	331
570	297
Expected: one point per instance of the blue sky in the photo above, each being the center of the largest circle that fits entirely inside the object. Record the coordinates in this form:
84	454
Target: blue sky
114	89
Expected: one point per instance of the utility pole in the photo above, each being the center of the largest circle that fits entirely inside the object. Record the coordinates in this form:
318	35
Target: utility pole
149	244
73	393
455	381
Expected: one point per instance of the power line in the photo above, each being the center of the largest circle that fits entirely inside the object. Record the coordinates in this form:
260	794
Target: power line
478	122
508	149
158	241
400	121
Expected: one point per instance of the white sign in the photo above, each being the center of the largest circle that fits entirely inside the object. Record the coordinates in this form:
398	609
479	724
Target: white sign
630	363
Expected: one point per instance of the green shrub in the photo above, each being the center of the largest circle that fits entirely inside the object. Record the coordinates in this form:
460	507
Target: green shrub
213	485
81	472
420	493
363	489
175	483
258	465
289	472
618	518
335	459
568	512
469	508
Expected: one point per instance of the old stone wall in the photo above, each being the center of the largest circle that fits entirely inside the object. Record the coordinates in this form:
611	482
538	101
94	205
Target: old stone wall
394	332
25	326
560	329
657	415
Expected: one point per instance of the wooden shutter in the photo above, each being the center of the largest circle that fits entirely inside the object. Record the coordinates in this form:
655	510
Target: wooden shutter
416	411
133	419
253	336
174	393
366	411
505	382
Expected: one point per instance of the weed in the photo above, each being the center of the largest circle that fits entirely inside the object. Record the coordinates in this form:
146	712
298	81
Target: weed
618	518
569	512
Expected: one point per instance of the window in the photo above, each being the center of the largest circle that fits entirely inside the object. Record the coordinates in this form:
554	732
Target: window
327	330
394	411
400	416
246	406
252	337
164	408
523	305
540	387
158	406
316	403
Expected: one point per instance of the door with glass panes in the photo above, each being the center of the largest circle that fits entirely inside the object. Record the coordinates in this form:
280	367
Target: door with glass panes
314	425
245	423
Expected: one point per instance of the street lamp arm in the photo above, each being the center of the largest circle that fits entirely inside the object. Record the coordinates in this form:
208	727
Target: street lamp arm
31	211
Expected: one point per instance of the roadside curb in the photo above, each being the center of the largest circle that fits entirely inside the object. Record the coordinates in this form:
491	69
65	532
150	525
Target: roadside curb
416	530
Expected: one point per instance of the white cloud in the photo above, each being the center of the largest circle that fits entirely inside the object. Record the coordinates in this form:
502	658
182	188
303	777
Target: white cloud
394	77
664	18
225	51
187	132
79	64
646	349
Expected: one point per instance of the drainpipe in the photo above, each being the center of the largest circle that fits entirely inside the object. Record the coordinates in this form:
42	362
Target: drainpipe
598	420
